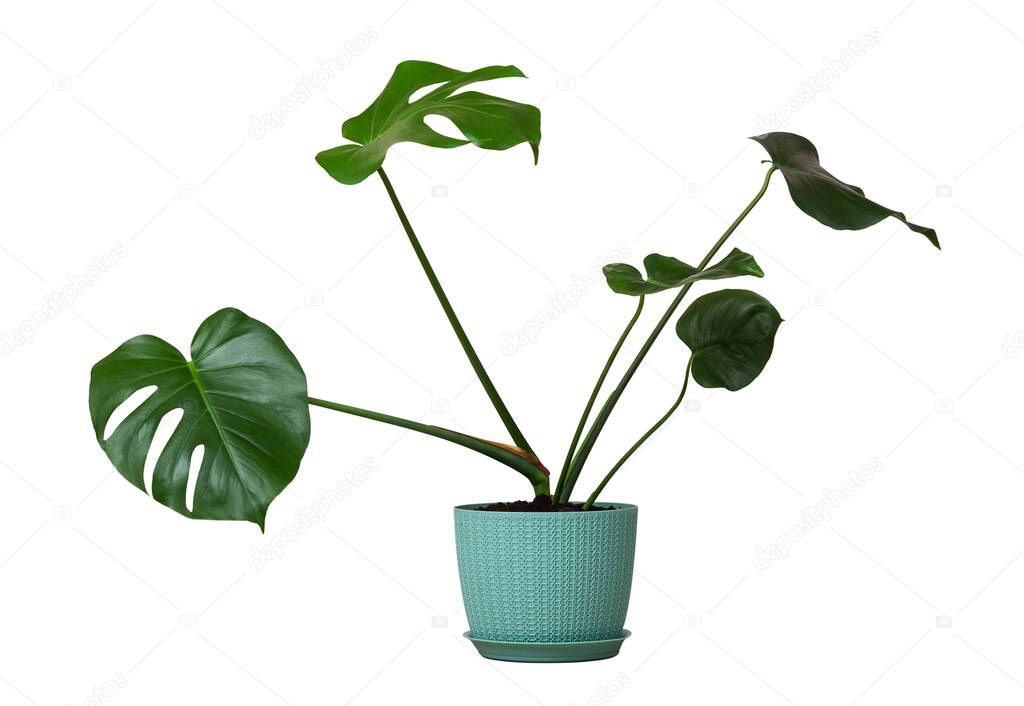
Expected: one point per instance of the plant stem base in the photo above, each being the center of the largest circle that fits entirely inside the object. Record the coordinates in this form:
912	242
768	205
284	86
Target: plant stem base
548	651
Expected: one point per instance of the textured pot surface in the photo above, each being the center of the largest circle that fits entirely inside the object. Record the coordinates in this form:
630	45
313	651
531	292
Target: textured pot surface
546	576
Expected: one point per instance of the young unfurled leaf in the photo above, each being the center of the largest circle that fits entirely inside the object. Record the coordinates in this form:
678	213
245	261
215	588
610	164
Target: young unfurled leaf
736	264
487	121
730	333
819	194
243	395
665	272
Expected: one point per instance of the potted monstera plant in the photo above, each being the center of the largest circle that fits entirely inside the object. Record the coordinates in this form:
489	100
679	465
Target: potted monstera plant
545	578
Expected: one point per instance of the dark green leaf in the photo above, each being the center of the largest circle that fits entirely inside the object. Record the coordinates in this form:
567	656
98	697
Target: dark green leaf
730	333
819	194
244	400
665	272
736	264
487	121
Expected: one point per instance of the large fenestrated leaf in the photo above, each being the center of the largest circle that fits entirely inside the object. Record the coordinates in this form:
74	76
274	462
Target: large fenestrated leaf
487	121
664	272
819	194
731	334
243	397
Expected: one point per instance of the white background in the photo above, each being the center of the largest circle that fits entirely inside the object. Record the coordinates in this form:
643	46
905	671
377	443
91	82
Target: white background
129	124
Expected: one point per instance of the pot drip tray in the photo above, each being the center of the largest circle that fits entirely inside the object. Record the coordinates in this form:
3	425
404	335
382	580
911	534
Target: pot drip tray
548	651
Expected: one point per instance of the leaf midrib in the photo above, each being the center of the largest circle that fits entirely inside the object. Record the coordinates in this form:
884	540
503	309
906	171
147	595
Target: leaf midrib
404	115
216	423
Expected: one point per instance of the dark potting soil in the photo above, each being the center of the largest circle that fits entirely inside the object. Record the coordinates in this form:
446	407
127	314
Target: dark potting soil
541	503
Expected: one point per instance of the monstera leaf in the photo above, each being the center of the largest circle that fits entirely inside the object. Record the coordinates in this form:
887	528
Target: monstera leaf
819	194
665	272
487	121
730	333
243	395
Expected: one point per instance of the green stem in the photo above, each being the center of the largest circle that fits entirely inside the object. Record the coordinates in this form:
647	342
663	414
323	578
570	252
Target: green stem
632	449
460	333
593	395
524	463
576	467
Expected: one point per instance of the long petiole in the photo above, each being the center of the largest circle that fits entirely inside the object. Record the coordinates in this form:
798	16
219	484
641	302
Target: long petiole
460	333
523	462
576	467
593	395
632	449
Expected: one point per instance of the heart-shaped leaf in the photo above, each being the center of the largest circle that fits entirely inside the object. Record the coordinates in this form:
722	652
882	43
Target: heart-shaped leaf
819	194
487	121
243	397
665	272
730	333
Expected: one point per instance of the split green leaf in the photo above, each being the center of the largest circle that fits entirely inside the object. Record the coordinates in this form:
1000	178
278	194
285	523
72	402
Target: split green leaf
487	121
243	397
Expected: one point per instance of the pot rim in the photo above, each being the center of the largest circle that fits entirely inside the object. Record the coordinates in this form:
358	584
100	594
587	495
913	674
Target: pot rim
475	507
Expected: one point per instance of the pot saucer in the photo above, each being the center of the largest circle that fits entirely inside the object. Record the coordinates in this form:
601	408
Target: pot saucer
548	651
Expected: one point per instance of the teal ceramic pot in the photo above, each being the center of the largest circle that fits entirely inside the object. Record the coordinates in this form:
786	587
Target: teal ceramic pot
546	577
